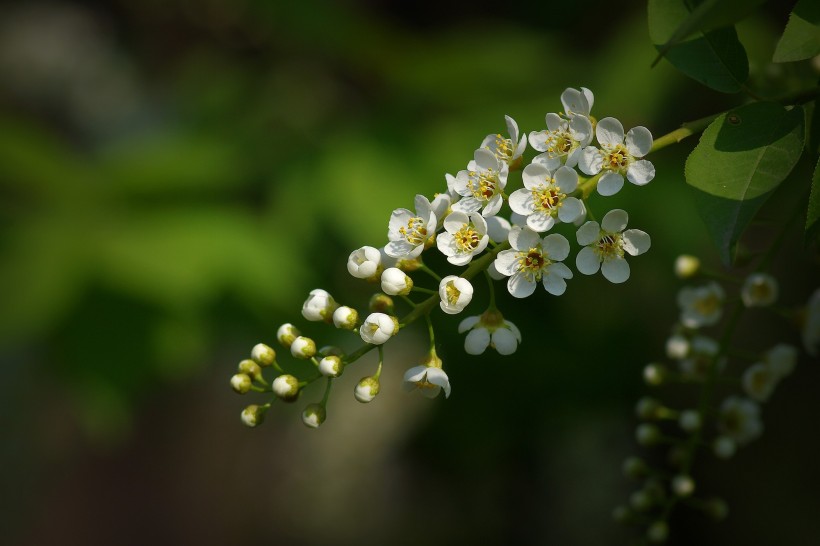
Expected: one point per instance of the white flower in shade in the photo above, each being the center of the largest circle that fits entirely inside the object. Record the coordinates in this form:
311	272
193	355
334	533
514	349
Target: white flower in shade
701	305
677	346
498	228
544	197
811	325
428	380
781	359
482	184
506	150
365	263
702	353
759	381
605	245
532	260
396	282
686	266
408	233
494	273
739	420
465	236
489	330
455	292
319	306
378	328
345	317
618	156
759	290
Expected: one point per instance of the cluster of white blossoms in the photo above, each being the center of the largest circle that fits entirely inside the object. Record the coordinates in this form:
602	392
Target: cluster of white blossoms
486	221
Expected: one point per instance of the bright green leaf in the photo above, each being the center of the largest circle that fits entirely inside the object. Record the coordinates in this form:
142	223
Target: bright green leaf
813	212
801	39
740	160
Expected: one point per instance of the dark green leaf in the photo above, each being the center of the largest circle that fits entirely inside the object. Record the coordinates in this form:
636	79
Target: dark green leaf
801	39
716	59
813	211
740	160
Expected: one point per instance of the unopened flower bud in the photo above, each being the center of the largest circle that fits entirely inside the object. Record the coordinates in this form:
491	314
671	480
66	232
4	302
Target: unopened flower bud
647	434
263	354
658	532
366	389
331	366
689	420
314	415
635	467
365	263
253	415
286	334
683	486
286	387
303	348
759	290
381	303
251	368
677	347
655	374
396	282
724	447
686	266
345	318
648	408
319	306
241	383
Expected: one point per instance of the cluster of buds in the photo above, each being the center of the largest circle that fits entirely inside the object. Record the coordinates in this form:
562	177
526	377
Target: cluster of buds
697	359
480	223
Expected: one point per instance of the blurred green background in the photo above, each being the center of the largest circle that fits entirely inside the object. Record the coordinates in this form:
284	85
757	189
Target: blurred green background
177	175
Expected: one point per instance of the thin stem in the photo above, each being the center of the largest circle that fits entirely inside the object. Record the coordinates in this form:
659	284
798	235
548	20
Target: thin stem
424	290
423	267
491	287
431	333
328	386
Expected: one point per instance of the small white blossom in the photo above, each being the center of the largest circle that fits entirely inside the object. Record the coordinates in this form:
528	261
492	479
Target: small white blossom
811	325
482	184
618	156
701	306
506	150
345	317
759	290
781	359
465	236
759	381
378	328
428	380
701	358
319	306
489	330
567	136
686	266
456	293
739	420
440	206
604	246
408	233
544	197
396	282
365	263
532	260
677	347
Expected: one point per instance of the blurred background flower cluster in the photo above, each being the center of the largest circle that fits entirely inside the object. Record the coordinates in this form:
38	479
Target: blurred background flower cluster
176	175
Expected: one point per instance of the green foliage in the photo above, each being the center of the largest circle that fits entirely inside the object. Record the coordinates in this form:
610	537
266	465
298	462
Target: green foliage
742	157
715	58
801	39
813	212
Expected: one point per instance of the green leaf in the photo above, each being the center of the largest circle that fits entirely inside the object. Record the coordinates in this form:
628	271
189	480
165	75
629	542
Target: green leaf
813	212
742	157
801	39
671	22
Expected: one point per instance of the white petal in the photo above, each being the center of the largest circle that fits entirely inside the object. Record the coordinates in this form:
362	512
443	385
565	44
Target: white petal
571	209
641	172
498	228
523	239
437	377
451	182
540	221
588	233
554	284
514	329
455	221
566	179
522	145
636	242
506	262
398	249
560	270
590	97
556	247
520	286
512	128
521	201
477	341
587	262
615	221
504	341
423	207
554	122
467	204
534	175
573	157
615	270
610	184
538	140
638	141
591	161
581	130
485	160
493	206
609	132
468	323
551	163
414	374
574	102
398	219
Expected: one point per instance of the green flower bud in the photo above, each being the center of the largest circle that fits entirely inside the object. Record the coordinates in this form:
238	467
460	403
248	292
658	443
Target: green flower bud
314	415
303	348
286	334
241	383
263	354
331	366
381	303
251	368
366	389
286	387
253	415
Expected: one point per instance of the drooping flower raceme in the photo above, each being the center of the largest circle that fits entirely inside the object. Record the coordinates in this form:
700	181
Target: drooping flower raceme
409	233
605	245
618	156
428	380
482	184
506	150
532	260
489	330
701	305
465	236
544	197
455	293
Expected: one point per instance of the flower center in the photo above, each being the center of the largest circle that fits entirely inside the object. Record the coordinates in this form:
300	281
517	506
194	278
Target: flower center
503	148
416	232
548	198
609	246
617	158
483	184
708	304
533	263
453	293
467	238
559	142
424	384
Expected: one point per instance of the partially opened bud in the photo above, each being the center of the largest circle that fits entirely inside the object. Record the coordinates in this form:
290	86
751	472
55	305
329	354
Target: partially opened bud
345	318
396	282
319	306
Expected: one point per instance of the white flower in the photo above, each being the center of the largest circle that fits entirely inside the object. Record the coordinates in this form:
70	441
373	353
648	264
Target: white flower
677	347
319	306
440	205
409	233
618	156
686	266
740	420
378	328
759	290
544	197
345	317
567	136
489	330
781	359
759	381
811	326
365	263
396	282
428	380
701	306
506	150
604	246
465	236
701	358
532	260
482	184
455	292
